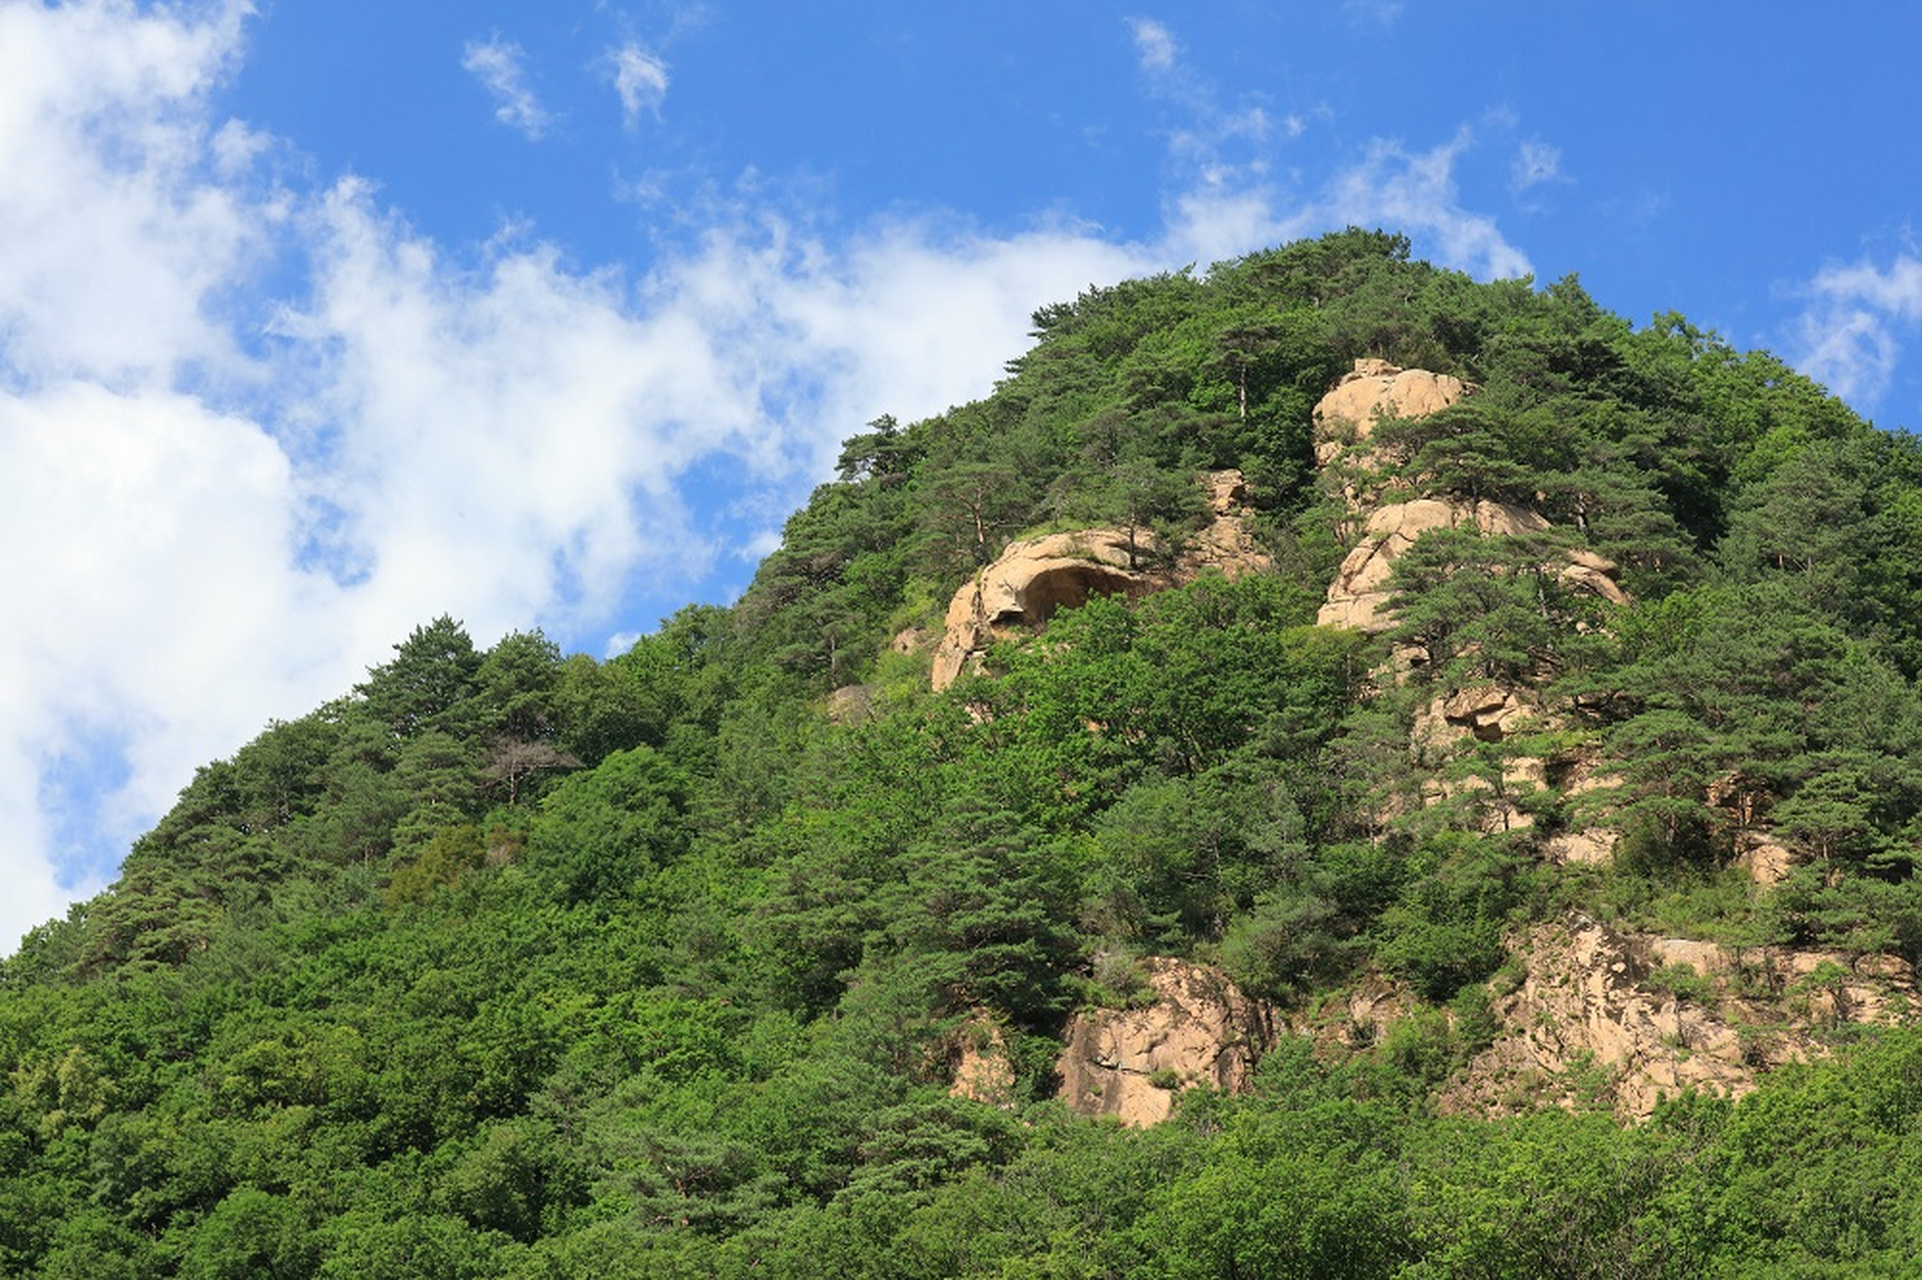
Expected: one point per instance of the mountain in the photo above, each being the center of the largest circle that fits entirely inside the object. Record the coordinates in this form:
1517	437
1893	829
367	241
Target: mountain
1333	768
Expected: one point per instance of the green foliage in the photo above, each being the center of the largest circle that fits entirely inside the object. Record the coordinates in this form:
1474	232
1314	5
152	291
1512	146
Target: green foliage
518	963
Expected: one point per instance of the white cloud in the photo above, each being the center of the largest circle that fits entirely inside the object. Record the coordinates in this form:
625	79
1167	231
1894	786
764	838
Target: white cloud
1154	45
496	63
1416	193
109	246
640	79
1535	163
502	442
1849	337
1388	187
1897	291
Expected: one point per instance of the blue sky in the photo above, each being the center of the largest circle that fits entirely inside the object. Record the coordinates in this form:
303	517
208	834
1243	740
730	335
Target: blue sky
318	320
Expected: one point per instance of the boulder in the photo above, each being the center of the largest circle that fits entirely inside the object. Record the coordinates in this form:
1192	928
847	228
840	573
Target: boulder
1447	727
1130	1063
1227	491
1357	596
1360	590
1375	389
1767	860
1031	580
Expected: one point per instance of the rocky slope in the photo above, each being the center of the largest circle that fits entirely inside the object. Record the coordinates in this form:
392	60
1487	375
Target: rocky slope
1587	1015
1198	1029
1599	1016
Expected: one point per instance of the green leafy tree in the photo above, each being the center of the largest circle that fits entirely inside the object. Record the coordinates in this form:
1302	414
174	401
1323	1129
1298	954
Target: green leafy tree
433	671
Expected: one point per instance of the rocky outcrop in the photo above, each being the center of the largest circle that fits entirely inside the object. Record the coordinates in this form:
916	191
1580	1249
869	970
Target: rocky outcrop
978	1065
1130	1063
1490	713
1602	1017
1766	859
1030	581
1227	545
1373	390
1594	846
1358	596
1033	578
1344	423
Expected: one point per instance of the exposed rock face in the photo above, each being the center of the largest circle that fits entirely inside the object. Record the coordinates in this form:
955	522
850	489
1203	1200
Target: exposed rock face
1358	595
1587	1024
1227	491
1359	592
1029	581
1355	1018
1034	577
1344	420
1485	712
1375	389
1226	544
1766	860
1130	1063
978	1063
1481	713
1592	845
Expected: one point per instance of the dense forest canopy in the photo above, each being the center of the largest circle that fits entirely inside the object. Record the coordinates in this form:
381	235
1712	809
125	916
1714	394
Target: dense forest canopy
511	962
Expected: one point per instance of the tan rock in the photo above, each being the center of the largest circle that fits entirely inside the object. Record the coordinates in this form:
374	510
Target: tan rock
1586	1027
1357	596
1376	389
1033	578
1765	859
1227	491
1594	574
1706	958
1593	846
1130	1063
979	1065
1448	727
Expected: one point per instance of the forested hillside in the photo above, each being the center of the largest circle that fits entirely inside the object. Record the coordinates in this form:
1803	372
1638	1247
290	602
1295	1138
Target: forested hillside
514	963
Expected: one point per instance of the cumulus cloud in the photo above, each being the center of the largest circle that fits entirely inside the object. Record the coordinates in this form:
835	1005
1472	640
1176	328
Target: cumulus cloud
496	63
1388	186
1849	337
1416	192
109	246
225	528
640	79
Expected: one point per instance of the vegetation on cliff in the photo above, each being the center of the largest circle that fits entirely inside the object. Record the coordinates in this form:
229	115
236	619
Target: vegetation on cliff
515	963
